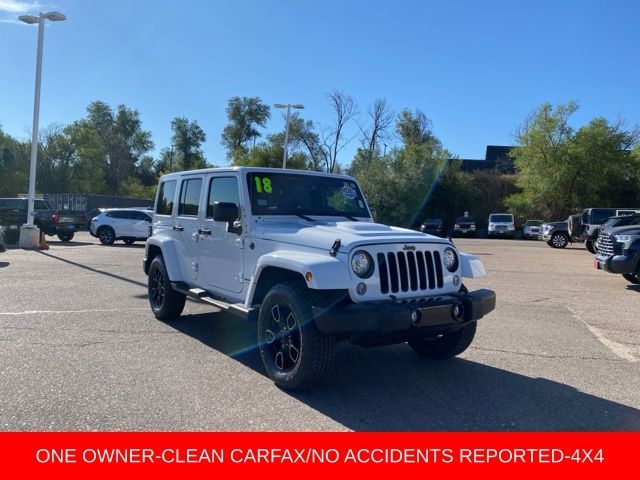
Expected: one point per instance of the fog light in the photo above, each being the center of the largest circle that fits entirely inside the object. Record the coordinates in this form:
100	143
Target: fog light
415	317
456	280
457	311
361	288
308	276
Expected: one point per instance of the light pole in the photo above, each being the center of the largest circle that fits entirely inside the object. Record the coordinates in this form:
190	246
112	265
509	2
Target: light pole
288	106
29	234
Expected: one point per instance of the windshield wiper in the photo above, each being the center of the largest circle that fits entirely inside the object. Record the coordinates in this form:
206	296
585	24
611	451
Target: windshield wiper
304	217
353	219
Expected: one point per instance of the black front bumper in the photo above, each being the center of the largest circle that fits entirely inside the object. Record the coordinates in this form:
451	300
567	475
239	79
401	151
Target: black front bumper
617	263
380	323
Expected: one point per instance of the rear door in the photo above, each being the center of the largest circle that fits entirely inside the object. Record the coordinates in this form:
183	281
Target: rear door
140	222
220	252
186	225
120	221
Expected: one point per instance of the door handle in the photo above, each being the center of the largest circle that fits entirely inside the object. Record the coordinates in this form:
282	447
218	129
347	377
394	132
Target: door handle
204	231
177	228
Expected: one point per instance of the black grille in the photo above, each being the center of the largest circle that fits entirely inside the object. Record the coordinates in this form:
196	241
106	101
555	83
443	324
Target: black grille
605	245
400	272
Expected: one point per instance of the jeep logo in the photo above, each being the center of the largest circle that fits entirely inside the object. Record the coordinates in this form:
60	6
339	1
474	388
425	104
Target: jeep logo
409	247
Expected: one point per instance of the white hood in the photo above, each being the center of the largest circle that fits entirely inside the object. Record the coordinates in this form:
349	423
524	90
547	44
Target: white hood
324	233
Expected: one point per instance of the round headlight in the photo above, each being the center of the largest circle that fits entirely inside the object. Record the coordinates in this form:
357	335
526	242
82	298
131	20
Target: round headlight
450	259
362	264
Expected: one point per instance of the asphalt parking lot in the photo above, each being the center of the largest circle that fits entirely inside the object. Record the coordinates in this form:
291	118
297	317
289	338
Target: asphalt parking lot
80	350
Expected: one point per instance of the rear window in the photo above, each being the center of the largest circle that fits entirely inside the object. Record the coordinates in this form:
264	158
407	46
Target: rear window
190	197
22	203
41	205
166	194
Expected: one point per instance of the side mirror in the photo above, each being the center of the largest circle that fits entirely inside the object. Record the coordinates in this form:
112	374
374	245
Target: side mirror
225	212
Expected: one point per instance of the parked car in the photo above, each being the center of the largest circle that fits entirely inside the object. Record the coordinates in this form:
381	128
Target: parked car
3	245
532	229
14	213
299	253
433	226
619	252
556	234
464	226
90	215
501	225
126	224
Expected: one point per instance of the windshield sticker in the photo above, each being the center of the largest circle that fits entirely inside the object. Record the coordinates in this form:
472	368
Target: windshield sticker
262	202
348	192
360	204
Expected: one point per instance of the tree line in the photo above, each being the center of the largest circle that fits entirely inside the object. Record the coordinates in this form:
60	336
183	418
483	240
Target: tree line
404	169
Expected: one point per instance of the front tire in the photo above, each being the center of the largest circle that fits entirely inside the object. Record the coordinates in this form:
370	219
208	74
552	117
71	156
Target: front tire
590	247
632	278
447	346
295	354
165	302
106	235
558	240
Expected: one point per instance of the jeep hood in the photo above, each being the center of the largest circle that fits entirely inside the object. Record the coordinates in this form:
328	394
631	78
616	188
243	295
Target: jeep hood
324	233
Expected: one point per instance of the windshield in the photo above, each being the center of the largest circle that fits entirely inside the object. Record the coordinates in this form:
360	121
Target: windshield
299	194
433	221
533	223
465	220
501	218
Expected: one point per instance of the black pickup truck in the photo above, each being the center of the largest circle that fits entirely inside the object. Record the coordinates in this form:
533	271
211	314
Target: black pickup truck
13	214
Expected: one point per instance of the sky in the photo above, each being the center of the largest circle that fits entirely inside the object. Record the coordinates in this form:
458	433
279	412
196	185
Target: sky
476	68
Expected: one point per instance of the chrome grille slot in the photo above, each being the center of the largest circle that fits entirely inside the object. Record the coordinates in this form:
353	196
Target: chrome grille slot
415	271
605	245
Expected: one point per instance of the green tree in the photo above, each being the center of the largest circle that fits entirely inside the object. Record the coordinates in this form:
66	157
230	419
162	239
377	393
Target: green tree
187	140
245	115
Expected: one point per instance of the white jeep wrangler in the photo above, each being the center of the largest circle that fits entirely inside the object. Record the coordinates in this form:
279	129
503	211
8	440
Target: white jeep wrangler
298	252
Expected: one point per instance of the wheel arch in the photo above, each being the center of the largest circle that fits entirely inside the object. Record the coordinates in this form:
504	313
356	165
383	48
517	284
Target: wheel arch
166	249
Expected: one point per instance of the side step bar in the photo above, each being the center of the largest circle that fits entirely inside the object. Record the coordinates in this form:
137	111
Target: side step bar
204	296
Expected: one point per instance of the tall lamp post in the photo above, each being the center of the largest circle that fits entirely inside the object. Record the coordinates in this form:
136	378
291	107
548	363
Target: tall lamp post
29	234
288	106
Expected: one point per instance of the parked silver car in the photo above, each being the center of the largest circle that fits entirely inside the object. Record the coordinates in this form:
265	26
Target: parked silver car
532	229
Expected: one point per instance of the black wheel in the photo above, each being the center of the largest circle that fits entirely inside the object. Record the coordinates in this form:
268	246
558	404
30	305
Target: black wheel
446	346
106	235
129	241
166	303
558	240
632	278
296	355
590	246
65	237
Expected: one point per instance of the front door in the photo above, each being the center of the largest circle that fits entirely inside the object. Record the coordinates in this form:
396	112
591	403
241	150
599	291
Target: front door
220	252
186	226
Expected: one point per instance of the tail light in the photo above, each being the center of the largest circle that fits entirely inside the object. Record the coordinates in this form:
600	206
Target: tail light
55	217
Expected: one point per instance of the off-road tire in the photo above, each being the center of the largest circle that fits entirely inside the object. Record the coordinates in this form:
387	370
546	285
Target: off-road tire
315	350
106	235
165	302
447	346
558	240
66	237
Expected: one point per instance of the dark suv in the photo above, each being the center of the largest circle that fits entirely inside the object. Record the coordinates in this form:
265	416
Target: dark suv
433	226
14	212
619	252
464	226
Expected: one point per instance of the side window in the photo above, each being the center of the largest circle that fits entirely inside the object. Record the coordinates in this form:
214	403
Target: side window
135	215
166	194
122	214
190	197
222	189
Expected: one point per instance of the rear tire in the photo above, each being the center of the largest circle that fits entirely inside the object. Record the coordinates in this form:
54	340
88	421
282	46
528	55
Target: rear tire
165	302
447	346
106	235
65	237
295	354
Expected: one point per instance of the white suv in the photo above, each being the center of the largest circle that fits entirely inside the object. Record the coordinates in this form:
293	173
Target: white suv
126	224
299	253
501	225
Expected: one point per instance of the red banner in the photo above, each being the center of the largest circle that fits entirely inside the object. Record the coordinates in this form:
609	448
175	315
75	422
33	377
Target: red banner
270	455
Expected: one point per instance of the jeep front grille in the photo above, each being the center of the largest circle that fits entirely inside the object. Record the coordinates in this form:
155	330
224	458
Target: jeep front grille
605	245
400	271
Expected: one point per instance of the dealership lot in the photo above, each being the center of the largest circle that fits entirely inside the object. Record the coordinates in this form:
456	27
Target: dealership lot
80	350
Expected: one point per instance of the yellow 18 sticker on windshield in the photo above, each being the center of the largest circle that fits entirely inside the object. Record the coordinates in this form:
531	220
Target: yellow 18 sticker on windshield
263	185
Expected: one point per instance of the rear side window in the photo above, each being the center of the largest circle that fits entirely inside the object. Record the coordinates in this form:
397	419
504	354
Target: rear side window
122	214
166	194
190	197
599	216
222	189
